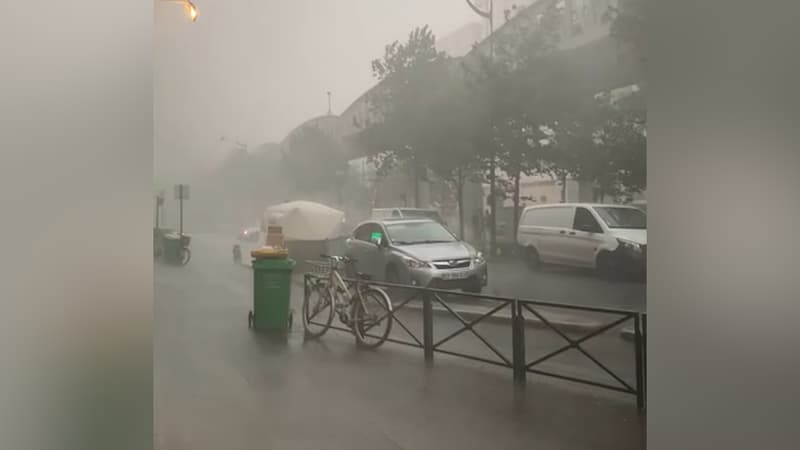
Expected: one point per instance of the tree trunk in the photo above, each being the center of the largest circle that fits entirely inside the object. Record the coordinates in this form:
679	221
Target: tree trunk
460	201
515	222
564	188
416	184
492	208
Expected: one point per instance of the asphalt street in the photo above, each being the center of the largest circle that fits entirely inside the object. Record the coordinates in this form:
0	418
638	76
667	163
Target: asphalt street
510	277
218	385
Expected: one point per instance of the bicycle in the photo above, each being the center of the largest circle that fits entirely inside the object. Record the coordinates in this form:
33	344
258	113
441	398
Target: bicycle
361	309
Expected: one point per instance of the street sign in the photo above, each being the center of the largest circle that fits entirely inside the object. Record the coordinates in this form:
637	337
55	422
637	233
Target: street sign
181	192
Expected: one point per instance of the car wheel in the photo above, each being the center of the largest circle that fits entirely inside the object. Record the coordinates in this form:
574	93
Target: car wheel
532	258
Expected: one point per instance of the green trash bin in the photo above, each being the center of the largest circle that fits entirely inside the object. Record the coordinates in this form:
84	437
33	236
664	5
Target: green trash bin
272	289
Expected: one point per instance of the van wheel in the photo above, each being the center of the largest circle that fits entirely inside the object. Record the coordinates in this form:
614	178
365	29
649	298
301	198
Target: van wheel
606	267
532	258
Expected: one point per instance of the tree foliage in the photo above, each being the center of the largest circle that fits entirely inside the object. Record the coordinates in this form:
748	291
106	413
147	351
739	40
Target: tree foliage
519	109
628	25
314	160
409	74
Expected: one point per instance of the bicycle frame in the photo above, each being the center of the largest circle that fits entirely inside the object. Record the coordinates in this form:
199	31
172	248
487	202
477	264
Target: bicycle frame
336	283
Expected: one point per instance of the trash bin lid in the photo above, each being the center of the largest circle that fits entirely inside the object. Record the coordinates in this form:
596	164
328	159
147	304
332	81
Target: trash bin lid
274	264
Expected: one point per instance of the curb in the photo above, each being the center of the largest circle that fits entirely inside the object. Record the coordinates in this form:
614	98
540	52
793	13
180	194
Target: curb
502	317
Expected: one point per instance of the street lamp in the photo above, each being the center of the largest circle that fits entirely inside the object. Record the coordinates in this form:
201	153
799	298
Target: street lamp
489	15
191	10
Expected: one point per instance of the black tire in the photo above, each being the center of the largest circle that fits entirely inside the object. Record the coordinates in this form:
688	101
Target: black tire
532	258
186	255
373	311
319	302
606	267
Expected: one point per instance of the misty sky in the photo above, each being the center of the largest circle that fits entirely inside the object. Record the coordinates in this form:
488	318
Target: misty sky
255	69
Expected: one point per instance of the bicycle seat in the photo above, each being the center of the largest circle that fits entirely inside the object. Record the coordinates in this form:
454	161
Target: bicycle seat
363	276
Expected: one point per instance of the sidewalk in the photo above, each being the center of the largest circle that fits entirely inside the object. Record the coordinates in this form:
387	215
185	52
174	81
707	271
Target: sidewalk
218	385
226	387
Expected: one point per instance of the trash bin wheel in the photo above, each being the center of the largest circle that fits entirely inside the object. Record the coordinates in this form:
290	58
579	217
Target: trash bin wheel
186	255
250	319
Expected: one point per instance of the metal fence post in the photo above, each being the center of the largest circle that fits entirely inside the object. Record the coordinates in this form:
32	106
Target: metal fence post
427	327
518	343
644	357
639	362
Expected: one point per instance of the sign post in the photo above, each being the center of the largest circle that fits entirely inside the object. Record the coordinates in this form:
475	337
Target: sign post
181	194
159	205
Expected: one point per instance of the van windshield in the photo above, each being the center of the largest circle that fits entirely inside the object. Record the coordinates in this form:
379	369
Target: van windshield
631	218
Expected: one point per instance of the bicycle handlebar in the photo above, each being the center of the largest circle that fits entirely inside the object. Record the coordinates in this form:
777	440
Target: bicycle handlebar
344	259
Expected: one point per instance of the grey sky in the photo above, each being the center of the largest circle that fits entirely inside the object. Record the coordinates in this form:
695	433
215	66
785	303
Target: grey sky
254	69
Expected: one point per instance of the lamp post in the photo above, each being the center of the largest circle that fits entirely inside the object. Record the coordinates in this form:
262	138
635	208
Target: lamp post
188	6
330	111
489	15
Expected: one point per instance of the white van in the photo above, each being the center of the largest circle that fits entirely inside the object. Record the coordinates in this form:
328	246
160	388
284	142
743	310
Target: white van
598	236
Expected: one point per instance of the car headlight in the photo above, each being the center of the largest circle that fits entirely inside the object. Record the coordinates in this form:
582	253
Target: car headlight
414	264
478	258
630	246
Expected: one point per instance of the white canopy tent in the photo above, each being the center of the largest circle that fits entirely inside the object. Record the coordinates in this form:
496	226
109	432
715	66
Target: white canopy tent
305	221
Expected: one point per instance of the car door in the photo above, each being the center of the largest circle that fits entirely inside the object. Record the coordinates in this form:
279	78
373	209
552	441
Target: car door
556	238
381	254
530	233
583	239
364	250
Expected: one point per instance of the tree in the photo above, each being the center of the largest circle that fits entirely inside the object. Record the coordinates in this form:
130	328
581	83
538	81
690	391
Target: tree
401	104
314	160
617	161
450	133
511	80
628	25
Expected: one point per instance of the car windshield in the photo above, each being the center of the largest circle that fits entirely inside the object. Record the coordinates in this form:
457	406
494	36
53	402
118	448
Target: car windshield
409	233
631	218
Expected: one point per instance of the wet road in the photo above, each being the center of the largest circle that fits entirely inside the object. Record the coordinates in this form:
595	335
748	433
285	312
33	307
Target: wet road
510	277
217	385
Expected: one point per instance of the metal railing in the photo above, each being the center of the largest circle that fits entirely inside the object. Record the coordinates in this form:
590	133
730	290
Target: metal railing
521	310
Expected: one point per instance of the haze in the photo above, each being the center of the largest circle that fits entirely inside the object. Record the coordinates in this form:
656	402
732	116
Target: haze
252	70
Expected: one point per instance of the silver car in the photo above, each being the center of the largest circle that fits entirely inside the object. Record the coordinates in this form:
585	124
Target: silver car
420	252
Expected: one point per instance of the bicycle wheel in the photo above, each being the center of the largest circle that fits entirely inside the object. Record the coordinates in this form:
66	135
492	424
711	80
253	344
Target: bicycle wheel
372	321
318	310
